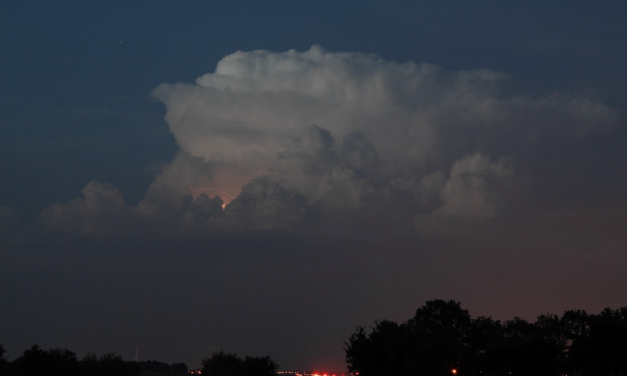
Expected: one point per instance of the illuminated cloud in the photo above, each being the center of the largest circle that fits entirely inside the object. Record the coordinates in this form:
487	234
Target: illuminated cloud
281	135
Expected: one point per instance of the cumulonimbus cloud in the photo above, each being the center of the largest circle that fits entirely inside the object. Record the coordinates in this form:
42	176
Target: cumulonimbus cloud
277	134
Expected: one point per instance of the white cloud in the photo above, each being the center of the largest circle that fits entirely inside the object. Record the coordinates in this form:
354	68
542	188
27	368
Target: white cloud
417	118
95	214
477	187
294	130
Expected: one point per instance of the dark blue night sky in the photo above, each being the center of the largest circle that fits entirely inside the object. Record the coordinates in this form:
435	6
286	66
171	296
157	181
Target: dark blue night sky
403	151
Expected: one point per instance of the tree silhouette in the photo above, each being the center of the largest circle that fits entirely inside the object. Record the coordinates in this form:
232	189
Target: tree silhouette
63	362
601	349
524	349
433	342
152	366
222	364
112	364
442	337
259	366
179	368
225	364
483	336
89	364
37	362
4	364
382	352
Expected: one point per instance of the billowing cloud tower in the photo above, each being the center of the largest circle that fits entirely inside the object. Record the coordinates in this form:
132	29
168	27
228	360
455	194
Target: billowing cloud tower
281	135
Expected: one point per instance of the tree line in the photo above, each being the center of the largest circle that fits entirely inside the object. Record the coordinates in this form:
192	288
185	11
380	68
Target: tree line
440	339
154	367
63	362
443	339
225	364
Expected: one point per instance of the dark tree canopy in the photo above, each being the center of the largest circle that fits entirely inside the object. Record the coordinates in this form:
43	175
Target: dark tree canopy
152	366
3	360
179	368
602	349
433	342
225	364
112	364
36	362
442	337
62	362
